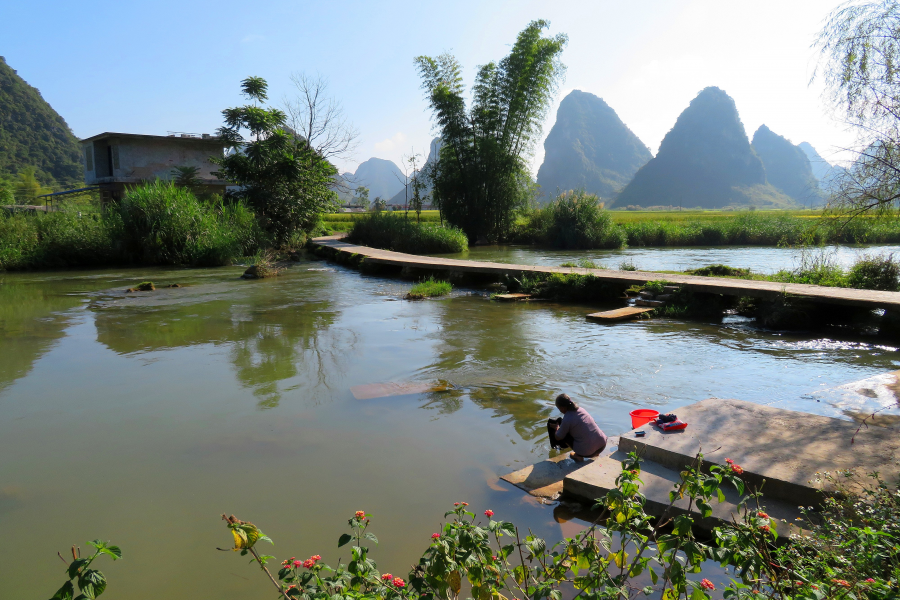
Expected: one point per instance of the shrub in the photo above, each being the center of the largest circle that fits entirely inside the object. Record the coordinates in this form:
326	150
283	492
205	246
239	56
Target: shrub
57	239
879	272
165	224
720	271
578	221
852	551
560	286
429	288
393	232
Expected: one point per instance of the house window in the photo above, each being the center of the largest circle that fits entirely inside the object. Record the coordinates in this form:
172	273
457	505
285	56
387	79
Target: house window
89	158
115	156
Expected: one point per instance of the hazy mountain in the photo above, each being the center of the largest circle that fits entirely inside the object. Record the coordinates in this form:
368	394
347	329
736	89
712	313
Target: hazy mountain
787	166
589	148
382	177
400	197
705	160
32	134
826	173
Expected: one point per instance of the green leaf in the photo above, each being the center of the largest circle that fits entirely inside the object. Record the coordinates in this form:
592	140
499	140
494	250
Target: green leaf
721	494
371	536
344	539
65	592
75	566
683	525
653	576
698	594
92	583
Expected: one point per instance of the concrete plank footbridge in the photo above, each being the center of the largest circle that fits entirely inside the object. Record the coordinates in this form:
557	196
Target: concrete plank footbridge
766	290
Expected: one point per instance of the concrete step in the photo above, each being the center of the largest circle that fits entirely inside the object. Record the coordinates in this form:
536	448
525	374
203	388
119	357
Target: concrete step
595	480
649	303
780	450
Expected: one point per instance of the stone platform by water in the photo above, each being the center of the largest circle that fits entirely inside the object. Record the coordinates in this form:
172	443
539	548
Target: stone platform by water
781	452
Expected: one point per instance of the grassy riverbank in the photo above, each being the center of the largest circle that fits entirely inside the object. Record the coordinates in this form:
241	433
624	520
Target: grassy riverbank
550	226
393	232
155	224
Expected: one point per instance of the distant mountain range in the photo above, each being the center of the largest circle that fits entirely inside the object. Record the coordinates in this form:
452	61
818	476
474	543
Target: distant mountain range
400	198
705	161
787	167
589	148
827	174
32	134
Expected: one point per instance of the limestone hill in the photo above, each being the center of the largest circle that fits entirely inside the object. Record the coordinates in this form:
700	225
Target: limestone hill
382	177
32	134
787	167
704	161
590	148
826	173
401	196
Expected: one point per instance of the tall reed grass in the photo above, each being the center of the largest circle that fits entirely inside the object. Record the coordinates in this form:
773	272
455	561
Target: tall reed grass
393	232
156	223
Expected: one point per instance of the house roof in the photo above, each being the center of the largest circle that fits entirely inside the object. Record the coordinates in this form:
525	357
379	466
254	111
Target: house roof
193	139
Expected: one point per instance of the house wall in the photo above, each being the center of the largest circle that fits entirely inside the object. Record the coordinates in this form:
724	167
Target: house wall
137	159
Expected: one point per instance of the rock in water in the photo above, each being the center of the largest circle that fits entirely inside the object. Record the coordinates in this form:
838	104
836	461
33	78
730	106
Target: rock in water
787	166
589	148
704	161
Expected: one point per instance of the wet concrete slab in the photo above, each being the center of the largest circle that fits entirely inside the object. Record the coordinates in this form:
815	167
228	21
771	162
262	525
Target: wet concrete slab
598	478
619	314
780	450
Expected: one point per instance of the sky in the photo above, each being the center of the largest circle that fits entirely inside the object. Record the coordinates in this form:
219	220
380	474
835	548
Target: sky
156	67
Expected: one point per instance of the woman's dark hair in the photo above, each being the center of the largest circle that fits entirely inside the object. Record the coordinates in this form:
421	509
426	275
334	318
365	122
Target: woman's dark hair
563	401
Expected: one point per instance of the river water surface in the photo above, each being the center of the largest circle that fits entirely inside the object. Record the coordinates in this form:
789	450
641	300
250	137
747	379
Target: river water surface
760	259
140	418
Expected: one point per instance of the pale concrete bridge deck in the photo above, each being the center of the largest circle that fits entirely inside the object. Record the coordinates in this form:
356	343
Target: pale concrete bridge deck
715	285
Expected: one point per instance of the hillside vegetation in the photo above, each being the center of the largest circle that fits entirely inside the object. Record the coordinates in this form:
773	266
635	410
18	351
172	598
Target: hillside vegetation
32	134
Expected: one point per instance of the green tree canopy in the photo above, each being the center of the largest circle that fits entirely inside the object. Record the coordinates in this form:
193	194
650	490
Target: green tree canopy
282	177
860	48
481	176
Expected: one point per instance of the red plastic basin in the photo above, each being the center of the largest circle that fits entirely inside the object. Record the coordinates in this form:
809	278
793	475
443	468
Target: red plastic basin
642	416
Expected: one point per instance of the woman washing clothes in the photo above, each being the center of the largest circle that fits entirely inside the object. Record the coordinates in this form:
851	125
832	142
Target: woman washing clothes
576	429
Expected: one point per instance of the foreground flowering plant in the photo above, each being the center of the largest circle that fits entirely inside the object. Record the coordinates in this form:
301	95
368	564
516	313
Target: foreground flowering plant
624	546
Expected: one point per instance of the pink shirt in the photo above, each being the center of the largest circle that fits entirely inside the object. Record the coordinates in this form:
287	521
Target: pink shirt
588	437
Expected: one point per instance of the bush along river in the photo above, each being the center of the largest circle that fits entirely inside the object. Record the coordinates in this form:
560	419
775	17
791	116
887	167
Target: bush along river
141	417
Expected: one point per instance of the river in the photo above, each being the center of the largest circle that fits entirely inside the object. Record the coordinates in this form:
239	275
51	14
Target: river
140	418
760	259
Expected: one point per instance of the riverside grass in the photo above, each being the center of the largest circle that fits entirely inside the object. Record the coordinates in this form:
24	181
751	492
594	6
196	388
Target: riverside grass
393	232
429	288
155	224
696	227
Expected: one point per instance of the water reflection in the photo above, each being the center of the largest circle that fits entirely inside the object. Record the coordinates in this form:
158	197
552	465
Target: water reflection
273	333
32	319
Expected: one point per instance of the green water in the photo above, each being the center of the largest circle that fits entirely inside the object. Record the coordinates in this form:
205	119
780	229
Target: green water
140	418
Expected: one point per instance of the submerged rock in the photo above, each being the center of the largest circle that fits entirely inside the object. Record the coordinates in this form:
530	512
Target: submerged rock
144	286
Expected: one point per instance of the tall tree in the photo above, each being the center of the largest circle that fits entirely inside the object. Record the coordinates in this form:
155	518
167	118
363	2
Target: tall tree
281	175
860	49
481	177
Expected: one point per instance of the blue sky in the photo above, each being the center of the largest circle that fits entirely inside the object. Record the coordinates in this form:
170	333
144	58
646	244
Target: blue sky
153	67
